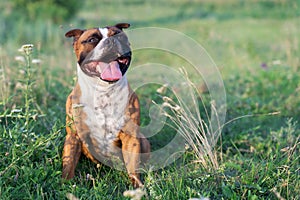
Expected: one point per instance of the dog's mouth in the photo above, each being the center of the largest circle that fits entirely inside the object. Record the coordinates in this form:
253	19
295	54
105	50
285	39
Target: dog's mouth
108	71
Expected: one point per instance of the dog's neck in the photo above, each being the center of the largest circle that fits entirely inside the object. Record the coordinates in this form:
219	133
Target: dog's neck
96	93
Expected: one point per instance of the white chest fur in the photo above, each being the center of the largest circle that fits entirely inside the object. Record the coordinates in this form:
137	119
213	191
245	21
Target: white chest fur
104	106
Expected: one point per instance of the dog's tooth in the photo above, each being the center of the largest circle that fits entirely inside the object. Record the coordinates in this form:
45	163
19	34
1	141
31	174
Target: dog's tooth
98	68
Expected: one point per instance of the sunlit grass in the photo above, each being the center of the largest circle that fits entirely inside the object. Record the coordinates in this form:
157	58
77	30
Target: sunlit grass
257	52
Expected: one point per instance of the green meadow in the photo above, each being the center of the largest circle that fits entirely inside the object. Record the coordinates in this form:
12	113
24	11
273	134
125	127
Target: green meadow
255	46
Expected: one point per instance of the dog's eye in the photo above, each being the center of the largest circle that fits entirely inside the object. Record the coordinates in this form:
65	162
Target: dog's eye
92	40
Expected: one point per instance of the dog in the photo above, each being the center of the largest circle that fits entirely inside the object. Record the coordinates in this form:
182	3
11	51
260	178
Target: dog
102	111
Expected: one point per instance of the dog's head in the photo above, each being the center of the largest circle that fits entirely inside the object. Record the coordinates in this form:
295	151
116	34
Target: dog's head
102	52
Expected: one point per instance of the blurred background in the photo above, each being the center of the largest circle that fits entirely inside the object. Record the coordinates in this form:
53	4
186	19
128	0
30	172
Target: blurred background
244	38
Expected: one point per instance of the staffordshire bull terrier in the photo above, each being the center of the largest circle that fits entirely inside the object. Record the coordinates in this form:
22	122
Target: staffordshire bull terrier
103	113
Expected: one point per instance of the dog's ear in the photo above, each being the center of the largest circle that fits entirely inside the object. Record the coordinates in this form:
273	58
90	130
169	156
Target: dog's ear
75	33
122	25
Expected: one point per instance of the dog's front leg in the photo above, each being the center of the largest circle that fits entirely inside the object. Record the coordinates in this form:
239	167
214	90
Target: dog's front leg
131	149
71	154
72	147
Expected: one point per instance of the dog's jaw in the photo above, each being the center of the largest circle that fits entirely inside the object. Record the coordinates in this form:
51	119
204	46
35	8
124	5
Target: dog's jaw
95	80
110	72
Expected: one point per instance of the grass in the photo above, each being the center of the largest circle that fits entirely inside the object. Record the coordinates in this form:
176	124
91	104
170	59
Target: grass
255	46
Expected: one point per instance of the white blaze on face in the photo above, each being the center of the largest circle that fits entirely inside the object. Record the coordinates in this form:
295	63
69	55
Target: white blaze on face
104	32
99	49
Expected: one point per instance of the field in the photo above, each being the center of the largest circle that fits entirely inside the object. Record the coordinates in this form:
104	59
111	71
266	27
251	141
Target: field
254	48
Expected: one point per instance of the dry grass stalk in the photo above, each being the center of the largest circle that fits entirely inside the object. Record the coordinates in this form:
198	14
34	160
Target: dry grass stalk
188	121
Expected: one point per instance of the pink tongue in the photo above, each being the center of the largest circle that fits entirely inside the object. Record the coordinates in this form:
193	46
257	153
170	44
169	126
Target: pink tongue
112	72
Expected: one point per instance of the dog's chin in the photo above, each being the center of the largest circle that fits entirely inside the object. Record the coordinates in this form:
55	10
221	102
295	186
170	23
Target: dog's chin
108	81
110	72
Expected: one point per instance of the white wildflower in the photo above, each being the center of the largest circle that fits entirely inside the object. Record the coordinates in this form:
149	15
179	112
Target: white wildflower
20	58
26	48
16	110
201	198
276	62
36	61
136	194
71	196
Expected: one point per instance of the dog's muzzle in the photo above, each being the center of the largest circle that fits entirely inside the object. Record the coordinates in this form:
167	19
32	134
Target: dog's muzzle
110	59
